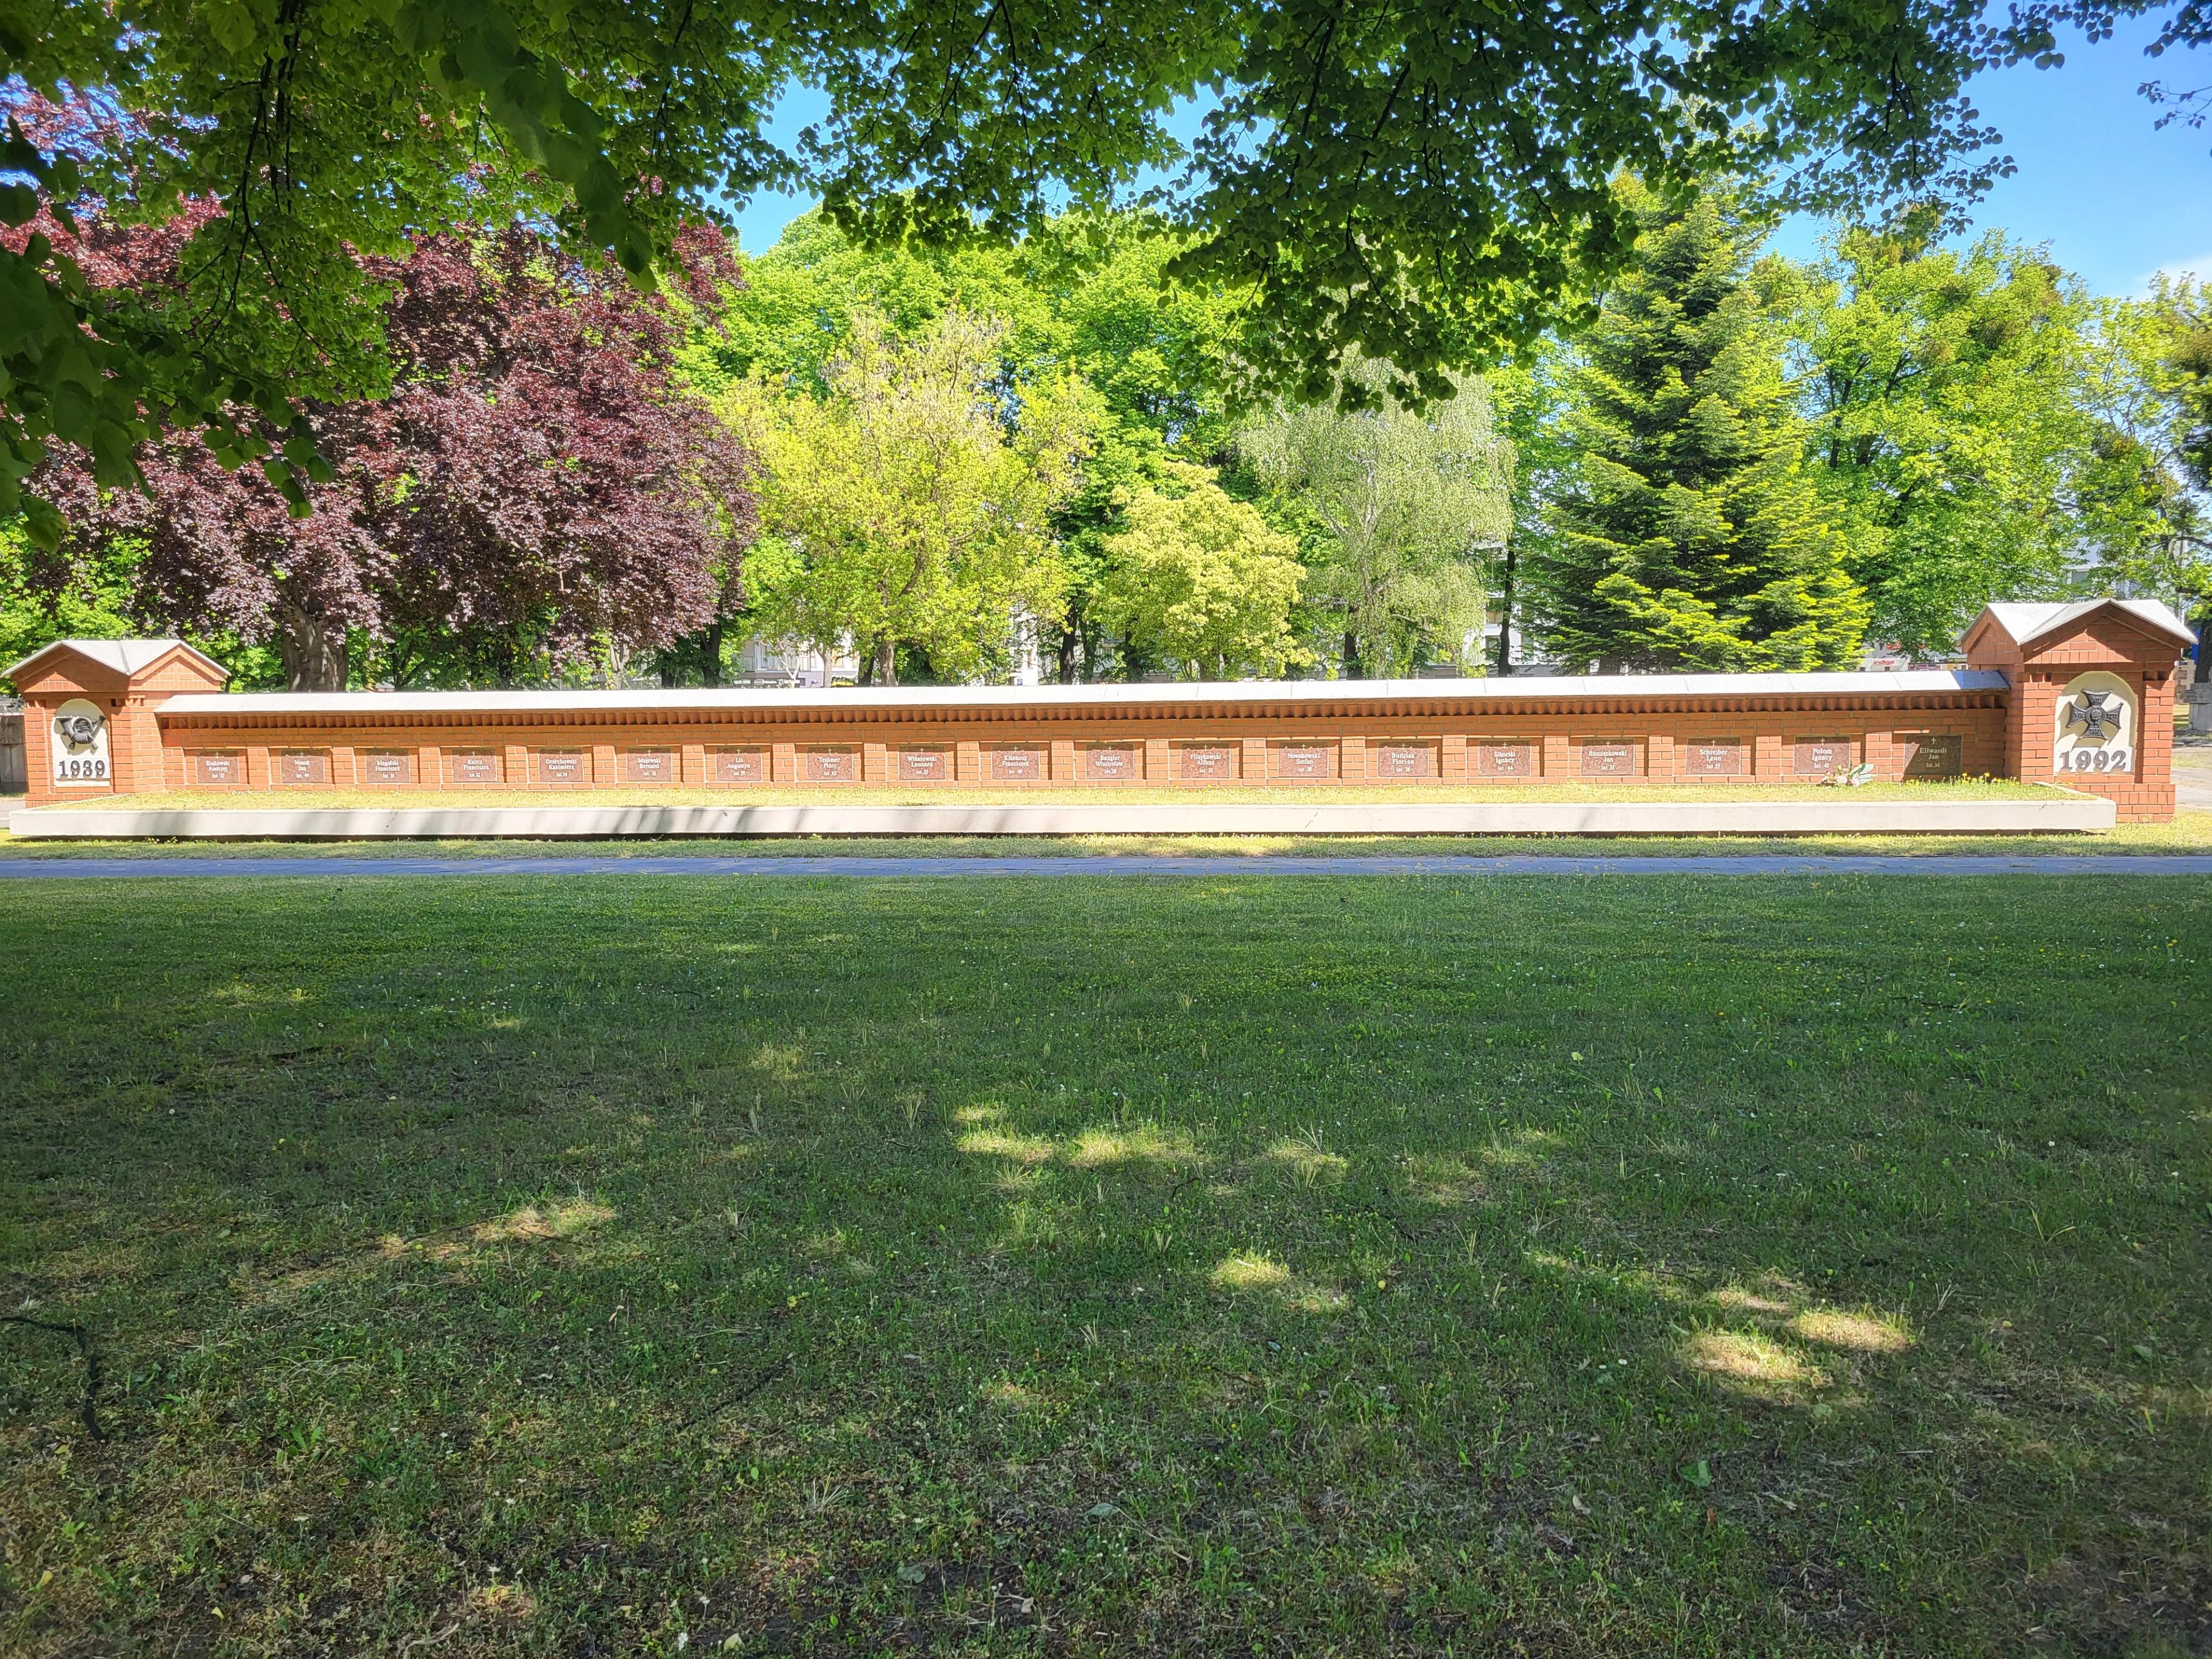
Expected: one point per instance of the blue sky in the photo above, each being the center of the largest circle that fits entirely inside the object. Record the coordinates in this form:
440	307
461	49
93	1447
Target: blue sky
2114	199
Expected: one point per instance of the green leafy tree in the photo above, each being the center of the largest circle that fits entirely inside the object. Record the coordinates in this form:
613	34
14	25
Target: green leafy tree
1087	295
2148	383
1202	579
1407	512
913	510
1530	397
1424	183
1686	533
42	599
1947	393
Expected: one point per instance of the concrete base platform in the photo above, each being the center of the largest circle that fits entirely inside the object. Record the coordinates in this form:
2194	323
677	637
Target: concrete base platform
1841	816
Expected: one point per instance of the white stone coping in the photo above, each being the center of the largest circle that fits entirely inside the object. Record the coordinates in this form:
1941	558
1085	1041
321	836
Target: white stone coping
248	707
1840	817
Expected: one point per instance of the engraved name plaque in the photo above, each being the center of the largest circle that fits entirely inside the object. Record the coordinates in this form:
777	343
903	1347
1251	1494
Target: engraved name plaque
738	765
1305	760
1506	760
651	766
1022	764
830	765
1404	760
1206	762
388	766
922	765
1113	762
1608	760
1713	757
472	765
564	766
219	770
1931	754
301	766
1821	756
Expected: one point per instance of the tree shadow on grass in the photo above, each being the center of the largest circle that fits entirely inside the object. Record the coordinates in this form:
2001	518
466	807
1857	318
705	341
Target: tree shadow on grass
1236	1270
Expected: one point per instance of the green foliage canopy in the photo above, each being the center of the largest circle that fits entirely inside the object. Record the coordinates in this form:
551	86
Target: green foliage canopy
1423	184
1201	578
909	510
1944	387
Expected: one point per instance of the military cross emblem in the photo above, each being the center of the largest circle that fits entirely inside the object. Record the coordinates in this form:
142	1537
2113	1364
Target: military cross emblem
2097	717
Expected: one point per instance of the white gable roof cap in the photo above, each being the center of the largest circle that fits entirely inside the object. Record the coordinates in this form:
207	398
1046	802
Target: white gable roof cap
2029	621
125	657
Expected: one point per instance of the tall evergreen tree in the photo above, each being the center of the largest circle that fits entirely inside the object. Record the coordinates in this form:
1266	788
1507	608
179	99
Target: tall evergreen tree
1686	533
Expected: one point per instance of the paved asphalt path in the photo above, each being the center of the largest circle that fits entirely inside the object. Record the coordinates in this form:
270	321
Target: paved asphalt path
228	868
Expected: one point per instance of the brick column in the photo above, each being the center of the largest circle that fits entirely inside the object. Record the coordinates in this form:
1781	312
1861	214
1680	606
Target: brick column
1558	755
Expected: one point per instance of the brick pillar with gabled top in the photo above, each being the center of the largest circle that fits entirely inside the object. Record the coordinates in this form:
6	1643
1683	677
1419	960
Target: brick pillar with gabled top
89	714
2090	682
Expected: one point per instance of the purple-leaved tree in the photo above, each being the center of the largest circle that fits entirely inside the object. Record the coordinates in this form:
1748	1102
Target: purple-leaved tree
533	493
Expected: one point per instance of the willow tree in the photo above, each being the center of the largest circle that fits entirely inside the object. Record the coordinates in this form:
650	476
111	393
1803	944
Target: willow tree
905	505
1408	513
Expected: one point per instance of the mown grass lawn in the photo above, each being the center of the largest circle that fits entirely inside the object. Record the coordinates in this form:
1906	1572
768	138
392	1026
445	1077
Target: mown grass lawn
1254	1265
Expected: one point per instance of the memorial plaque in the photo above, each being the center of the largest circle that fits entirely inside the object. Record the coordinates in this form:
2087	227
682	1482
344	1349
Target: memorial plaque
1713	757
1206	762
388	766
1405	760
80	752
1608	760
568	766
219	770
922	765
830	765
1019	763
301	766
472	765
1305	760
1113	762
1820	756
738	765
651	766
1931	754
1506	760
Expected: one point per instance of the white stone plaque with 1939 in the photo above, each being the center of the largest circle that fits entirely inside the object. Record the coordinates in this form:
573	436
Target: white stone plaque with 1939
80	746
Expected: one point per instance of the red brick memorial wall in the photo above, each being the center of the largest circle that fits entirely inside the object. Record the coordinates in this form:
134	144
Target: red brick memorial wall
2079	695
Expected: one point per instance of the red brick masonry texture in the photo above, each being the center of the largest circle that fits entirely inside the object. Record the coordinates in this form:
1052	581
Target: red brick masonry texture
170	727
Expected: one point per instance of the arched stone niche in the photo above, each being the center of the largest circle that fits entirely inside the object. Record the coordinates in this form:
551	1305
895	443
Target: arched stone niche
2097	728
